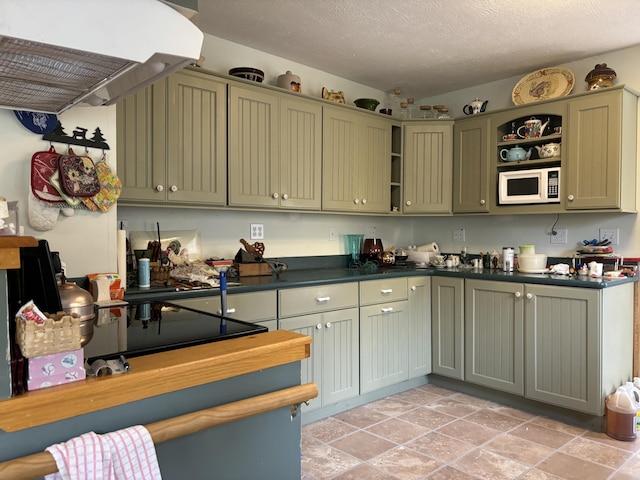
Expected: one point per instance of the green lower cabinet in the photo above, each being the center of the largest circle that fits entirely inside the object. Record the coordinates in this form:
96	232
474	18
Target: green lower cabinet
419	326
447	326
494	335
334	363
384	339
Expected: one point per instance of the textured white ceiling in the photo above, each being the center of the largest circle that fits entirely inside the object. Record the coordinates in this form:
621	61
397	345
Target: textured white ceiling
425	47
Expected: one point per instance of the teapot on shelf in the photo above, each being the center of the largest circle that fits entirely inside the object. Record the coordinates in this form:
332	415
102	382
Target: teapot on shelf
476	106
515	154
532	128
548	150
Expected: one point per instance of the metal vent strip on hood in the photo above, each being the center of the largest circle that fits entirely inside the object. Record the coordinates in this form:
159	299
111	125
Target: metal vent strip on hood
55	54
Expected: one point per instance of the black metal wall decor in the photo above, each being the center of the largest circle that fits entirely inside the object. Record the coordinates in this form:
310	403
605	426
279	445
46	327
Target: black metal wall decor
78	137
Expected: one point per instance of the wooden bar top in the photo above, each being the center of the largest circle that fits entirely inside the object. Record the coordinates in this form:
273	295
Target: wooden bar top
155	374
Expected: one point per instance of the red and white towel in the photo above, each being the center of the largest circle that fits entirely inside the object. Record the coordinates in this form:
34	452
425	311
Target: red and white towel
127	454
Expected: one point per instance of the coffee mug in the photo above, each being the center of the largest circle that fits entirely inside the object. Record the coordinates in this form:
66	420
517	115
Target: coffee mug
449	263
455	260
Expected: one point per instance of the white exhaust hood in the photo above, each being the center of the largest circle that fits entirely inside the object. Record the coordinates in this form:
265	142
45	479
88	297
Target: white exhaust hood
57	53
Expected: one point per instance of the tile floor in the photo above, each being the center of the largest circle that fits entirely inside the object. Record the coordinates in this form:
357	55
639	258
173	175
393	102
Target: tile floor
437	434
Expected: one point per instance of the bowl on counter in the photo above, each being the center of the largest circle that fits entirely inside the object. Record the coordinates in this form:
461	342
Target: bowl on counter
532	263
248	73
367	103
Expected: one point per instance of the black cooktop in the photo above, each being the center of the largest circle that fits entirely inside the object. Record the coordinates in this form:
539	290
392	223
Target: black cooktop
142	328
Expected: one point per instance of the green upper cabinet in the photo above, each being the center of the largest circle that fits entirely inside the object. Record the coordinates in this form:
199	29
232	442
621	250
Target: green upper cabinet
471	185
601	151
427	167
356	169
275	150
172	141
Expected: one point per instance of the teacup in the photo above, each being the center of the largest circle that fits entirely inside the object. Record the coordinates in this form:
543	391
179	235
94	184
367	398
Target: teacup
509	136
438	259
557	130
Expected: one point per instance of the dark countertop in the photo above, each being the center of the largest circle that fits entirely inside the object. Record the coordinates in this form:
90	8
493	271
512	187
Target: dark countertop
321	272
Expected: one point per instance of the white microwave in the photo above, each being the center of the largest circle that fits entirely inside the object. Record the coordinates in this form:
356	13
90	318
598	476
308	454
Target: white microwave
520	187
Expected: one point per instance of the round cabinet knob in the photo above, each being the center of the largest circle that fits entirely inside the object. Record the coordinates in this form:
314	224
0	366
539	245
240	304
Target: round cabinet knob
329	324
570	198
483	201
364	201
518	294
413	288
319	326
356	201
408	203
174	188
529	296
275	196
159	188
285	196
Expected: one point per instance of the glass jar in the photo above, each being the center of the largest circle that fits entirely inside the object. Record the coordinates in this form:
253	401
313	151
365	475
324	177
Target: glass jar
443	112
425	111
404	114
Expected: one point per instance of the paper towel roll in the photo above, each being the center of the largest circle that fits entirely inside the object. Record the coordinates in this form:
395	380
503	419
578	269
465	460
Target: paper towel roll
122	256
429	247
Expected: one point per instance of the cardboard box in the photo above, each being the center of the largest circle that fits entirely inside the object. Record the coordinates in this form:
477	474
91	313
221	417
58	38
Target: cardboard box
55	369
252	269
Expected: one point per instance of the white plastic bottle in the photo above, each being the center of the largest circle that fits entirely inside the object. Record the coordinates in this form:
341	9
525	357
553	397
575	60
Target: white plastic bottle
621	414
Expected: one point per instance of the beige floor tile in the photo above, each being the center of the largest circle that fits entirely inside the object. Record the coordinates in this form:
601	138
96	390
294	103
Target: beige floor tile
538	475
427	417
364	471
453	407
361	417
449	473
440	447
328	429
558	426
390	406
474	401
363	445
397	430
418	396
542	435
490	466
596	452
442	392
518	449
323	462
602	437
631	469
406	464
568	467
469	432
495	420
512	412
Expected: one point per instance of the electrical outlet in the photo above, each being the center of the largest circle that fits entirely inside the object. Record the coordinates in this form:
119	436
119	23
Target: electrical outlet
610	234
371	232
458	235
257	231
560	237
332	233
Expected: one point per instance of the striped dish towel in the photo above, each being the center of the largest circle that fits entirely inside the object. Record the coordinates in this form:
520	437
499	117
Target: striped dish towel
127	454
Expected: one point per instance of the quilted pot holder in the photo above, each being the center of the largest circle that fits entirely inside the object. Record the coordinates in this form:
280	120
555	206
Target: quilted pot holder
78	176
110	188
43	165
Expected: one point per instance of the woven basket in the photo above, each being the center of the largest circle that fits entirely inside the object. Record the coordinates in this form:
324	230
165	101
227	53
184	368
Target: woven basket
160	274
60	333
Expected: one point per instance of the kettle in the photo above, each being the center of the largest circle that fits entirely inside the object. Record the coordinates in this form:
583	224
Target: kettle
549	150
476	106
515	154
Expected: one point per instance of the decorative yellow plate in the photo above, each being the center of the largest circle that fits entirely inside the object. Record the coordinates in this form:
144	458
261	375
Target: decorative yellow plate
543	85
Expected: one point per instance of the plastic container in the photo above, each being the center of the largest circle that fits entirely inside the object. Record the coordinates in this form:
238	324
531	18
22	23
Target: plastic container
527	249
621	413
533	262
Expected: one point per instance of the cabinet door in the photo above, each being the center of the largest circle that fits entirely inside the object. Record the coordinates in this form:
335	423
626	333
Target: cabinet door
253	148
140	132
419	326
471	166
300	153
196	139
563	351
310	367
594	149
374	169
339	167
383	345
427	168
447	328
340	356
494	335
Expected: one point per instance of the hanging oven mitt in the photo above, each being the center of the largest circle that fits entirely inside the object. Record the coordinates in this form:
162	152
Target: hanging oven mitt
110	188
43	165
78	176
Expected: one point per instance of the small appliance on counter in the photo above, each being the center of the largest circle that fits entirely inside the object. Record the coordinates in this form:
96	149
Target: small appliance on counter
371	248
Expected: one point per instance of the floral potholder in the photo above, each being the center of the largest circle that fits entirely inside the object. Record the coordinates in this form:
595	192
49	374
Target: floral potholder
78	175
110	188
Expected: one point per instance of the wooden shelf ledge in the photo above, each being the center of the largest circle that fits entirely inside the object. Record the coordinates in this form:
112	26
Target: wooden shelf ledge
153	375
10	250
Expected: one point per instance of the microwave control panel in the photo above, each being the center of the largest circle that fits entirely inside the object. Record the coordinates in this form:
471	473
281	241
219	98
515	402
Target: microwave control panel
553	185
